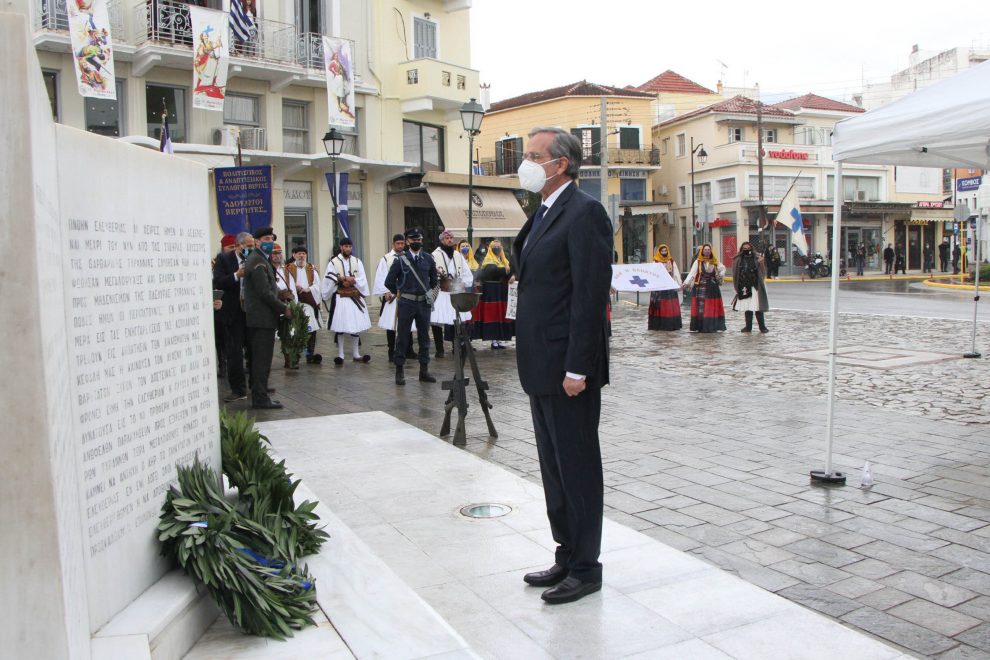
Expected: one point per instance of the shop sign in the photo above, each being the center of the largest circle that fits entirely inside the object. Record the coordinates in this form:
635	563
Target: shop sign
596	173
969	183
297	194
930	205
788	154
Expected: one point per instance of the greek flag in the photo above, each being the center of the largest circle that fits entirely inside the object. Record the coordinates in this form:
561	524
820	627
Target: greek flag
338	191
165	144
790	216
241	22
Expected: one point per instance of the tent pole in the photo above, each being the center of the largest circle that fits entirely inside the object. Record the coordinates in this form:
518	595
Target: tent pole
976	296
827	475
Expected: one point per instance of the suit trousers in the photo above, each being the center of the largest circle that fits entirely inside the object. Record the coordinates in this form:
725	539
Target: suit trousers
407	312
235	344
571	465
262	344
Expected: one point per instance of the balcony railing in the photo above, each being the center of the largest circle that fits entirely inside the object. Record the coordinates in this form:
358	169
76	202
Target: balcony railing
309	50
633	156
52	15
271	40
162	22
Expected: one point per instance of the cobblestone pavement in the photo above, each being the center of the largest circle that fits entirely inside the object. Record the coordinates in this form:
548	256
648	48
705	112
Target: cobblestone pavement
707	441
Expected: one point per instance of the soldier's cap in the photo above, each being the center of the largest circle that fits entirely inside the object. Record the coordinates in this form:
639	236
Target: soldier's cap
414	232
398	237
299	248
345	241
265	231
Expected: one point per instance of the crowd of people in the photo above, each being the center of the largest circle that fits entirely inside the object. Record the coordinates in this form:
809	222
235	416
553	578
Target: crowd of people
253	284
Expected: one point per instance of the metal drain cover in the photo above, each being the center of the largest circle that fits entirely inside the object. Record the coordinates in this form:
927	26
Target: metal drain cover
487	510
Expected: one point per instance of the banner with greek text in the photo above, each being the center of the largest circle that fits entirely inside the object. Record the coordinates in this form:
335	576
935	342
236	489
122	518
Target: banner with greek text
244	198
210	61
92	48
339	67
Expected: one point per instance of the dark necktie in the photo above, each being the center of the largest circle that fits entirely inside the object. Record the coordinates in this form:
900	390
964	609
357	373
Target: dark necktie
537	221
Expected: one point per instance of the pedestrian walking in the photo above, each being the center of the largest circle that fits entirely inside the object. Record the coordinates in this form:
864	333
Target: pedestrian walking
751	293
665	306
888	259
563	257
956	256
860	258
771	257
943	255
705	278
900	261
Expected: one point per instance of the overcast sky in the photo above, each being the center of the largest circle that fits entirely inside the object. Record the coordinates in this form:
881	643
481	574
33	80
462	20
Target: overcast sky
828	48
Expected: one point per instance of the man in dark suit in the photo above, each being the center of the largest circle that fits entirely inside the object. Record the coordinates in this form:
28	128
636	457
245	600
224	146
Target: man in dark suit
562	258
262	309
228	274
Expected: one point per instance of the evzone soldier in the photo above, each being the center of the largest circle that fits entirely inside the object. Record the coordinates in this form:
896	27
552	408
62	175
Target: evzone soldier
412	279
387	318
451	268
345	276
303	277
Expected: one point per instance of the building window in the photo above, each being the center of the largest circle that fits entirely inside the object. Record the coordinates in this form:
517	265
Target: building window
775	187
295	127
682	195
51	86
508	155
702	191
629	137
633	190
241	110
106	116
175	102
735	134
681	145
461	82
590	139
445	78
424	38
856	188
664	146
769	134
812	135
412	77
592	186
726	188
423	144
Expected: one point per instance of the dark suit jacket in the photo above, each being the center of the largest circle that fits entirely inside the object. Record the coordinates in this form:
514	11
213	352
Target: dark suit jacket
261	303
564	275
223	280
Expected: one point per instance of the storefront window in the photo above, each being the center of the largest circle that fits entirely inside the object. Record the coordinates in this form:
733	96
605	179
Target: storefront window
106	116
633	189
174	100
634	250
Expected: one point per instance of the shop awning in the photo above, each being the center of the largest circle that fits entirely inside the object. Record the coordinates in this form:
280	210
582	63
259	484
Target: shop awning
643	208
924	216
495	212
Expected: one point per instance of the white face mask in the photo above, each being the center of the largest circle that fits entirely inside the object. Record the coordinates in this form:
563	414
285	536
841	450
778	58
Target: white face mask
532	176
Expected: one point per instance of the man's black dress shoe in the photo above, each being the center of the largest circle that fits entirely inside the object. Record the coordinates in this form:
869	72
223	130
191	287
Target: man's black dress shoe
267	405
570	590
547	578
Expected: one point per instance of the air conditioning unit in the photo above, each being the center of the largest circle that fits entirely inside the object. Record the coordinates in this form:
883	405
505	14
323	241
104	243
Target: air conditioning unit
860	195
668	218
663	190
225	137
251	138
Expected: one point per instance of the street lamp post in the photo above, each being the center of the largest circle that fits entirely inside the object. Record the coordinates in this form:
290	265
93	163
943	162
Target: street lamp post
333	142
471	115
699	233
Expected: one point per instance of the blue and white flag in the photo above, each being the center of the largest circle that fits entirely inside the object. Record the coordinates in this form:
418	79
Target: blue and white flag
642	277
790	216
165	144
339	192
241	22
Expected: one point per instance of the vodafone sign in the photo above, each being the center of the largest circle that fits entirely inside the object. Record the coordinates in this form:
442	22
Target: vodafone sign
788	154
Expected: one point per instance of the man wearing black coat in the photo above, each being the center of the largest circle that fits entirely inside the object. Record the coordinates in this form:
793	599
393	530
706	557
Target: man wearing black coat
228	273
943	255
562	258
262	309
888	259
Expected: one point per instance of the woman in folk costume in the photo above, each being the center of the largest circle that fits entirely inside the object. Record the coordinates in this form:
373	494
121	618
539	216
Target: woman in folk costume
665	306
465	249
454	274
490	323
345	276
707	311
751	294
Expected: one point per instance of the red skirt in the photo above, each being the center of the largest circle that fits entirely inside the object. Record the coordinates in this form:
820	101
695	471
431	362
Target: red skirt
707	310
665	311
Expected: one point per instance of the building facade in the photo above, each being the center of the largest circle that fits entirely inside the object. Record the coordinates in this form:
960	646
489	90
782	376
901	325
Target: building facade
410	76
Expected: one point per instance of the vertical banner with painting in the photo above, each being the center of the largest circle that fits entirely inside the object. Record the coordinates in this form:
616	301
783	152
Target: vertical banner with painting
210	59
92	48
339	67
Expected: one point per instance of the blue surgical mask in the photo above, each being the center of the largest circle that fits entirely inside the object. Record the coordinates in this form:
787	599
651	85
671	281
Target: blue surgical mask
267	247
245	252
465	250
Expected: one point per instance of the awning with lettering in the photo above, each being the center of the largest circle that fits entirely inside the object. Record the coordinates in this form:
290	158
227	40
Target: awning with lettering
495	212
924	216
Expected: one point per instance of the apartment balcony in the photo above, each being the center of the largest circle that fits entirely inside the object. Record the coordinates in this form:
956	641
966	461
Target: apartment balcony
51	24
427	84
634	157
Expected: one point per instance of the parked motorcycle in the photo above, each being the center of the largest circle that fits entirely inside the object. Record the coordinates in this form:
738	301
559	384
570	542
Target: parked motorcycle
816	266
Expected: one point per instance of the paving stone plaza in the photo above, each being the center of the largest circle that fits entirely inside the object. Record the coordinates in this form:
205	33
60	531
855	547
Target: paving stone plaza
707	442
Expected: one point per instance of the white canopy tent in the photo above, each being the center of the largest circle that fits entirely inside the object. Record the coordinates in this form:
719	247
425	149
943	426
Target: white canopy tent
944	125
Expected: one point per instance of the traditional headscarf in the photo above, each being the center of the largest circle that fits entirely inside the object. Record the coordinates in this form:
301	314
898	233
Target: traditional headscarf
446	233
471	261
659	258
713	260
500	260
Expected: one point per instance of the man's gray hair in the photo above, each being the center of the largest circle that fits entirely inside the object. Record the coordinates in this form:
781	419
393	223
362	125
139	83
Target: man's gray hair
564	145
244	234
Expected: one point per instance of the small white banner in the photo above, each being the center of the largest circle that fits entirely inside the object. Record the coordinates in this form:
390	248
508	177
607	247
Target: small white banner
642	277
92	48
510	306
211	58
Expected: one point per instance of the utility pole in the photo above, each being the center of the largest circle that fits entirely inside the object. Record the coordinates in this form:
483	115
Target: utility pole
759	175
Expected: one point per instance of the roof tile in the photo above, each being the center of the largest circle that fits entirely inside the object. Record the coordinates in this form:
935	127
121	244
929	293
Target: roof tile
672	82
815	102
580	88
